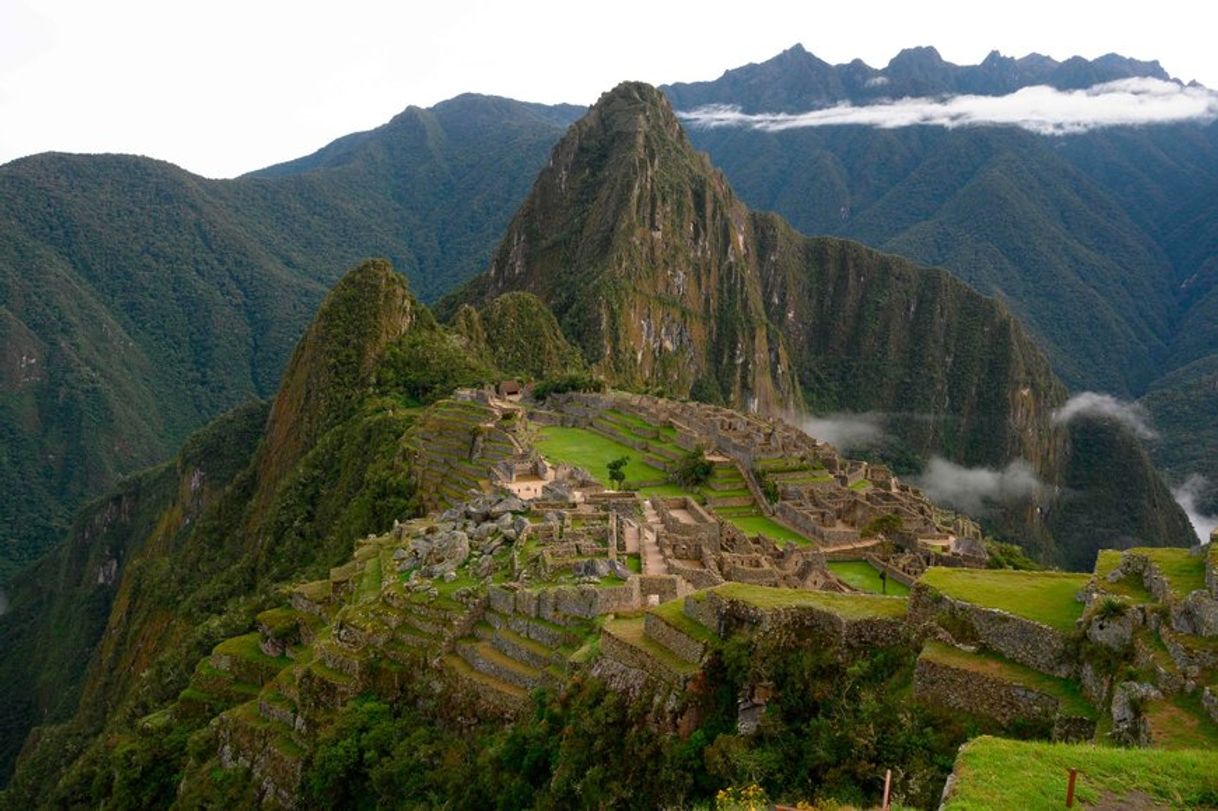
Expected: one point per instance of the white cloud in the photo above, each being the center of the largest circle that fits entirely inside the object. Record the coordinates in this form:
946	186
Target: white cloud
1094	404
846	431
976	490
1186	496
1041	109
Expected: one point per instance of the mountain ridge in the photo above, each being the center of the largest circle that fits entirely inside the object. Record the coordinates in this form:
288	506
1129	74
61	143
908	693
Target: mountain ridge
798	81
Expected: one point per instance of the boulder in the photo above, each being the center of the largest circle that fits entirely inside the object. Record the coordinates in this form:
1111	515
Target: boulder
1114	632
1129	725
508	504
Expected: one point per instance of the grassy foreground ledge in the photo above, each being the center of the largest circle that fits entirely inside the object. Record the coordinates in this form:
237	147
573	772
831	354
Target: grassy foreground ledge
1045	597
1001	773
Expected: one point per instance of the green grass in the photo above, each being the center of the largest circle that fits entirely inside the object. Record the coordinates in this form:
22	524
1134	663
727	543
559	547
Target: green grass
759	524
863	576
848	606
1184	572
593	452
1181	722
666	490
673	613
247	647
634	563
1067	692
1045	597
999	773
370	579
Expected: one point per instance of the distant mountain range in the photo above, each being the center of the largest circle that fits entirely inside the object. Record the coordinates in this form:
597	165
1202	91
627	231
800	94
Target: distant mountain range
795	80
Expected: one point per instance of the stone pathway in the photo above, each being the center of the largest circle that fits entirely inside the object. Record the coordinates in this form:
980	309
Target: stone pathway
653	560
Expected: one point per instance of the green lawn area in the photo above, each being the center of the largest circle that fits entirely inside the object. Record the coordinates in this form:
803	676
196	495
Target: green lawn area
592	452
1046	597
863	576
1185	572
849	606
1000	773
1065	691
759	524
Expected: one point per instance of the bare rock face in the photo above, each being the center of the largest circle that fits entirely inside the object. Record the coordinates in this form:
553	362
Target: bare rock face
1129	725
1114	632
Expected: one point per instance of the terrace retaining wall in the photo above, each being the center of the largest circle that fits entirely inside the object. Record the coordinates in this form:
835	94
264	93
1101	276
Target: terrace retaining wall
1021	640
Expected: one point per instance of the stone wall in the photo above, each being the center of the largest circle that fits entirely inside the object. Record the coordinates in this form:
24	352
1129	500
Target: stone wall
796	624
1003	701
1021	640
893	572
632	657
685	647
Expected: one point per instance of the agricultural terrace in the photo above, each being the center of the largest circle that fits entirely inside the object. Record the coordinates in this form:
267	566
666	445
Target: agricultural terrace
847	606
1044	597
863	576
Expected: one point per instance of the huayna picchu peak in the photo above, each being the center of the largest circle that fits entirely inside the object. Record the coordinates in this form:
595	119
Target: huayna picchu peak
764	442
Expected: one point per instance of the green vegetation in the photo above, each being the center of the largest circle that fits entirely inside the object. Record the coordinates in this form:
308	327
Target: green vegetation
849	606
863	576
694	470
527	340
1046	597
887	525
1185	572
998	773
616	470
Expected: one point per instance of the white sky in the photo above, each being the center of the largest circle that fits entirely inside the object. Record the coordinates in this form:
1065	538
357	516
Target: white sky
223	87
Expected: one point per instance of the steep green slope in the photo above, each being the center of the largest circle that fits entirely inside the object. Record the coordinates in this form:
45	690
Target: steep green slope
282	496
59	607
999	208
643	253
137	300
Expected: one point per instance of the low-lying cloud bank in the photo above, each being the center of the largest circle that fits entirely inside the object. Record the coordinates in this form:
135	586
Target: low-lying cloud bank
1093	404
1187	495
1041	109
846	431
977	490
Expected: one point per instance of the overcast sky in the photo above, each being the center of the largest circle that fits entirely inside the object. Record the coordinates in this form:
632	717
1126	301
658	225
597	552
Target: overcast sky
224	87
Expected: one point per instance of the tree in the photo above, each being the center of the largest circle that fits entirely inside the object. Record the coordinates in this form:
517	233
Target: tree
887	525
694	470
617	471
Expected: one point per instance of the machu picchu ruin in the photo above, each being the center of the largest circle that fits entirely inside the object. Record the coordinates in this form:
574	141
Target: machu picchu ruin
530	573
